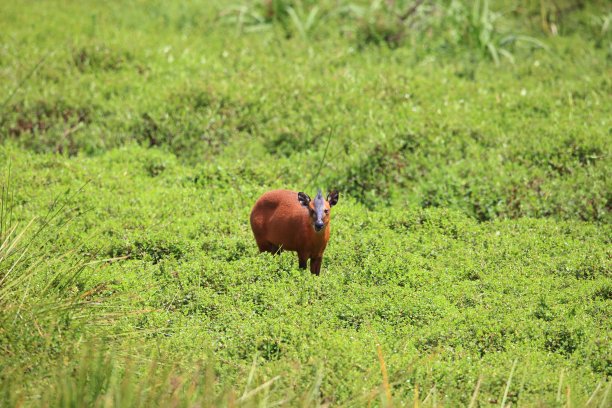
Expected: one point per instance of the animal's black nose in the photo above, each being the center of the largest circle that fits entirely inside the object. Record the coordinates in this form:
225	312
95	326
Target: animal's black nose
319	226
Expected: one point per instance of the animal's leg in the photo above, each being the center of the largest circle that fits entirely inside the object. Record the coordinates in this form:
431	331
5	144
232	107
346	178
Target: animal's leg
315	265
262	245
302	260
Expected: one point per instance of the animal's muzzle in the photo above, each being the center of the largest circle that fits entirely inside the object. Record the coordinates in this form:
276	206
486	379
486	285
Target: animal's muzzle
318	226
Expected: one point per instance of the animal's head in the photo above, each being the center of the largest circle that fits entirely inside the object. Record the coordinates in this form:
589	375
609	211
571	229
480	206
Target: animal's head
319	208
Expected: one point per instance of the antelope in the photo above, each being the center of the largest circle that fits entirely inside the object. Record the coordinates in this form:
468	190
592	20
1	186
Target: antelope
283	220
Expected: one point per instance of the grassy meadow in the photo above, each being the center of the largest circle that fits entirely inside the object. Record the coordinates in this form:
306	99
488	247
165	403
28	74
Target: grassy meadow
470	254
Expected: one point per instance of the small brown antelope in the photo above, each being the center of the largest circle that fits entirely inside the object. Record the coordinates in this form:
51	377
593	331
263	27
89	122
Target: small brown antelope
283	220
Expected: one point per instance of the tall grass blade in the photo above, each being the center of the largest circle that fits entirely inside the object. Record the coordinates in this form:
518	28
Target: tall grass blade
251	374
604	398
311	19
508	383
313	180
474	398
385	376
257	390
593	394
429	394
313	394
297	22
559	387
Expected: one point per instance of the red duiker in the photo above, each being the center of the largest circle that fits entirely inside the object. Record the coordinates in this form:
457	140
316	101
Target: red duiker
283	220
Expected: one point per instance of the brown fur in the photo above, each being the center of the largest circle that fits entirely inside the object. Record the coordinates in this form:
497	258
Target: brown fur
281	223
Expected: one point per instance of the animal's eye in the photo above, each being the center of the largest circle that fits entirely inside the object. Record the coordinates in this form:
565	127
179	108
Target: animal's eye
326	211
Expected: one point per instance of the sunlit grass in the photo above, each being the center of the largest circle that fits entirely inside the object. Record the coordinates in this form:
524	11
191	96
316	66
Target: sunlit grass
469	258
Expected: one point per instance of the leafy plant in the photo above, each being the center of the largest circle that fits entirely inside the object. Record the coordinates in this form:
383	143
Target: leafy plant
483	30
304	21
292	16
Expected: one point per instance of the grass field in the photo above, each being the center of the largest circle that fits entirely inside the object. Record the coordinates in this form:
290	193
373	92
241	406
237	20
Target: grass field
470	257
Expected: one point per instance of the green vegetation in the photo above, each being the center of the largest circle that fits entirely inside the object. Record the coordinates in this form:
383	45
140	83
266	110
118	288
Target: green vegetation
469	263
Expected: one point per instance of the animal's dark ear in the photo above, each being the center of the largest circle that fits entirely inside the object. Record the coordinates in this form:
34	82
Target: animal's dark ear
332	197
303	199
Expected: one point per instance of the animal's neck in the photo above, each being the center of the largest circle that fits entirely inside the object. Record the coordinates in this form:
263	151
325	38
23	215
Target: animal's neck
320	237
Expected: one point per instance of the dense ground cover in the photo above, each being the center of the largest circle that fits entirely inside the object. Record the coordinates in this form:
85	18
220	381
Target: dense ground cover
470	248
